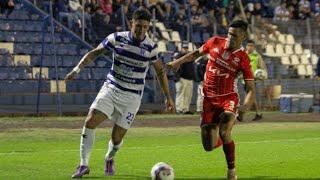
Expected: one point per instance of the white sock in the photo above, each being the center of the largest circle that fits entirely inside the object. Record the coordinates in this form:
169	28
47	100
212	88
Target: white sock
86	143
112	150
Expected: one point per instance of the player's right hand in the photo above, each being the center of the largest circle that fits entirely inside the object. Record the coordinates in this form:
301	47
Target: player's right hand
173	65
70	75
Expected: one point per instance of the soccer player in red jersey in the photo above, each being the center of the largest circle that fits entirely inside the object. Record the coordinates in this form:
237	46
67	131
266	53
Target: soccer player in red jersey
227	59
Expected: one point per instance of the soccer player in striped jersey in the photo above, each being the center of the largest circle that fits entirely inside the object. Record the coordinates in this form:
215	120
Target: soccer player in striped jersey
120	97
227	59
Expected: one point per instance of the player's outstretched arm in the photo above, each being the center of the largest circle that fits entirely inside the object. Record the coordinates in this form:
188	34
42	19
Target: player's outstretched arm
164	83
86	59
192	56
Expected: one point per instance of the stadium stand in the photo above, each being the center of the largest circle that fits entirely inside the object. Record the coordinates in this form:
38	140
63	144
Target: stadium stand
26	44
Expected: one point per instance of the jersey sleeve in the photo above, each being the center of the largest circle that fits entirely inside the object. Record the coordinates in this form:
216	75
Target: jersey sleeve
154	54
109	42
246	68
208	45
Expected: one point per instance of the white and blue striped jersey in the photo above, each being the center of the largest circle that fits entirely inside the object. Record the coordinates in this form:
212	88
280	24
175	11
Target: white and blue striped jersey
131	61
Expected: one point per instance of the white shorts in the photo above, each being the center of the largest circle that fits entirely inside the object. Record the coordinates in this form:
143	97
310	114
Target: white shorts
119	106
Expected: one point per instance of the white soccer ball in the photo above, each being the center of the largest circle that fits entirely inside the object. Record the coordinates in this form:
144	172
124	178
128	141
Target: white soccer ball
260	74
162	171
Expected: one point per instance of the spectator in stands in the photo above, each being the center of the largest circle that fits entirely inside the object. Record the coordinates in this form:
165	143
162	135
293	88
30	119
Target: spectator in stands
106	6
315	6
6	6
184	83
281	13
211	6
195	18
102	26
258	10
304	9
256	62
158	7
204	21
93	5
294	9
180	24
116	18
223	21
60	6
169	14
74	5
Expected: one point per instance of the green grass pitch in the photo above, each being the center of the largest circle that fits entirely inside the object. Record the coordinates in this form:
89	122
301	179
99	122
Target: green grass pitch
263	151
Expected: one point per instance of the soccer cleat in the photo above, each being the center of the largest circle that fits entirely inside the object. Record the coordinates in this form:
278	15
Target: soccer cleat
257	117
231	174
109	167
81	170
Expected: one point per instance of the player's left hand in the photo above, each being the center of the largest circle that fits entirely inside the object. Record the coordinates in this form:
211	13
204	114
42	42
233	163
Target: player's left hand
170	105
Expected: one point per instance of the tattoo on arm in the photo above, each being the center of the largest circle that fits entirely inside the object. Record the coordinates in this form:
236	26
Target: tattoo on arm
90	56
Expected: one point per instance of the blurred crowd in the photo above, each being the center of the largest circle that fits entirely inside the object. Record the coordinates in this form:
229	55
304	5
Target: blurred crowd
102	17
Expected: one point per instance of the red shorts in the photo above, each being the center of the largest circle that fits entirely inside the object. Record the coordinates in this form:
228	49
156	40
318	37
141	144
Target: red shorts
214	106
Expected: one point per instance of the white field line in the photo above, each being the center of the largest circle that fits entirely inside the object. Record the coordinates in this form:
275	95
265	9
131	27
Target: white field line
164	146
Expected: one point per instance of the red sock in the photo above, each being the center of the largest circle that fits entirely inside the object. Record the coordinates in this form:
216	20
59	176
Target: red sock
229	153
218	143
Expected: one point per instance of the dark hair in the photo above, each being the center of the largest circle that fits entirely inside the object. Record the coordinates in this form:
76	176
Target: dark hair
250	41
142	14
239	24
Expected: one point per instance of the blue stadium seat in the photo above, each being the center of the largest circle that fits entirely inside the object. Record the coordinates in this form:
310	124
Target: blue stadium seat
86	86
71	86
171	47
83	51
4	75
61	73
84	74
90	98
205	36
99	73
99	84
4	51
196	37
69	61
102	62
166	57
34	17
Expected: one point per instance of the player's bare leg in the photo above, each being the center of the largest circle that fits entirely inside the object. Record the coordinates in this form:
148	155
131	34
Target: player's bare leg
94	118
210	137
225	128
114	145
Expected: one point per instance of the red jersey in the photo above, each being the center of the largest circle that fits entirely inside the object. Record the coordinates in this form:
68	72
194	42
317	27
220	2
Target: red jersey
224	67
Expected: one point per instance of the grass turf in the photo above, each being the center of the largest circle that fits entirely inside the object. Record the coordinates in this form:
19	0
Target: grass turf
263	151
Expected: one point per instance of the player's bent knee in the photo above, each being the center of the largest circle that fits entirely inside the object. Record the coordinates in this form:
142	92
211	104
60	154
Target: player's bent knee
94	118
225	134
